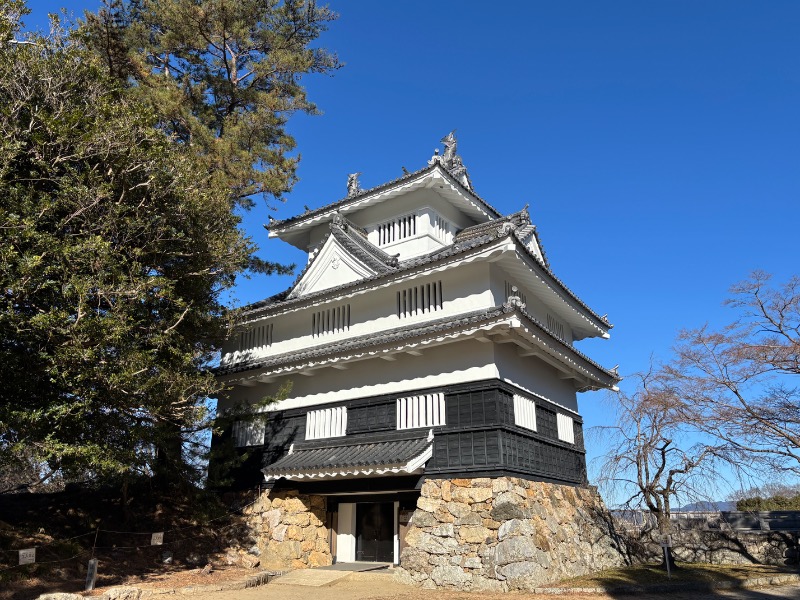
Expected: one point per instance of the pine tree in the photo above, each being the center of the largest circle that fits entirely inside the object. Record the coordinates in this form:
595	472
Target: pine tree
116	244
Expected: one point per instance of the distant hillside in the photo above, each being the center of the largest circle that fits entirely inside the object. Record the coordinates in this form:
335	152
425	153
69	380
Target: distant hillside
710	506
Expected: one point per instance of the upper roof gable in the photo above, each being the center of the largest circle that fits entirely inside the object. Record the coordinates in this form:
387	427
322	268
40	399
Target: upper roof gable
296	230
345	256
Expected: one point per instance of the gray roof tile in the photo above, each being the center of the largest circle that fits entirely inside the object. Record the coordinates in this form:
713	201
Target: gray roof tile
344	453
282	224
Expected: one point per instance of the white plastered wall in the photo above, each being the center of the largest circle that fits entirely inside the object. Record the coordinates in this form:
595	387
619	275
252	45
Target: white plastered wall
533	305
419	201
448	364
535	376
464	290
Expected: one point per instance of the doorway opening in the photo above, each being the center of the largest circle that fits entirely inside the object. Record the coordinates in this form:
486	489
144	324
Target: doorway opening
375	528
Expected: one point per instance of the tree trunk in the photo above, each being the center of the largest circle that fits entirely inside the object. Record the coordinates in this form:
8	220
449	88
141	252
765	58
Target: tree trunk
664	537
169	469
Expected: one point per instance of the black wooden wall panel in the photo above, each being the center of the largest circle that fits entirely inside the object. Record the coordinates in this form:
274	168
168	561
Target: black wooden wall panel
479	434
546	423
373	417
540	457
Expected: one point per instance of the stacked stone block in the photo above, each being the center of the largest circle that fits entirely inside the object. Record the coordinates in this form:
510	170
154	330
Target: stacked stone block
505	534
290	530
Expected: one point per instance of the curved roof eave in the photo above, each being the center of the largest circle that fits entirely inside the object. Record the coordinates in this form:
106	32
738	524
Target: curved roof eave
476	244
367	197
425	333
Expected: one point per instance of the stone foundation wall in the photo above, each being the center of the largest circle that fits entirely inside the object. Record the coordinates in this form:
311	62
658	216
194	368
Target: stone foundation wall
719	547
289	529
505	534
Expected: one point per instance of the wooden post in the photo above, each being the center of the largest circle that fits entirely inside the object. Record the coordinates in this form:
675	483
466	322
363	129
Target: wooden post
91	574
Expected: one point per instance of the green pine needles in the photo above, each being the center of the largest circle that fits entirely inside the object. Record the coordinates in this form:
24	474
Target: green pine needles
120	166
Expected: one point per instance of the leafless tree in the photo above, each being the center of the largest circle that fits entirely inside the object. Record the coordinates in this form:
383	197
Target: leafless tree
740	383
652	458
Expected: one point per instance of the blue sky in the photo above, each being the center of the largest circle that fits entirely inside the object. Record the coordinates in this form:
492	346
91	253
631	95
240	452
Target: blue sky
657	143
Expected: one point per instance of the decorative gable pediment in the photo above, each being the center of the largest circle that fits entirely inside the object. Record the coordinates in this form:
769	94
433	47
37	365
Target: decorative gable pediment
333	265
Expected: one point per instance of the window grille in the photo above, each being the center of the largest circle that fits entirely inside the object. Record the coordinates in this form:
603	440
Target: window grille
397	229
443	230
566	431
524	412
510	292
326	423
426	410
419	299
257	336
248	433
330	320
555	326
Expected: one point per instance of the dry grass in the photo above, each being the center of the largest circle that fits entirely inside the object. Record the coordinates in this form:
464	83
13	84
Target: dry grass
686	573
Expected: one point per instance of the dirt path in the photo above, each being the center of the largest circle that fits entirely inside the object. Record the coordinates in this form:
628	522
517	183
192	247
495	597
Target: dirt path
388	589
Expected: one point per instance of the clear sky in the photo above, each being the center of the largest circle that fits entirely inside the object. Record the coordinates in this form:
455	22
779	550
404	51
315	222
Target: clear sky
657	143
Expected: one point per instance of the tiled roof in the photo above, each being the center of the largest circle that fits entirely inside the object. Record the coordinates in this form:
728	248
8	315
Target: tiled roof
343	454
282	224
364	341
480	238
354	239
517	219
401	334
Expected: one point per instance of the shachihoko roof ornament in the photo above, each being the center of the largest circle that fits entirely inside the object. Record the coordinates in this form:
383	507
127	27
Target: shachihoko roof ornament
451	160
353	186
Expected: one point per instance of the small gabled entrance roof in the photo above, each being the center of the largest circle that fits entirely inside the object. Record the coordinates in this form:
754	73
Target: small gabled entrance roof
390	454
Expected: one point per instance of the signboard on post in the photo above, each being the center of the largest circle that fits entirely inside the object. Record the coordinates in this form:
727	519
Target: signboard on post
157	539
666	544
27	556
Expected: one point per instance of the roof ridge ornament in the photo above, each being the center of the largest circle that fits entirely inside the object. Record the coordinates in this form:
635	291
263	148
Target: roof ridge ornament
513	301
353	186
451	161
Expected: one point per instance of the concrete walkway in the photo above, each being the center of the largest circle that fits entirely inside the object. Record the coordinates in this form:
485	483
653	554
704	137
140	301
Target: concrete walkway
324	576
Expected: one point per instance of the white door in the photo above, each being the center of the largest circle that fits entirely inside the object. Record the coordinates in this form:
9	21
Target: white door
346	533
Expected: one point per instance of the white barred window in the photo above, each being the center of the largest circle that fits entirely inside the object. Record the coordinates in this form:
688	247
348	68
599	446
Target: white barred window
330	320
419	299
556	327
426	410
397	229
443	229
248	433
257	336
326	423
524	412
566	432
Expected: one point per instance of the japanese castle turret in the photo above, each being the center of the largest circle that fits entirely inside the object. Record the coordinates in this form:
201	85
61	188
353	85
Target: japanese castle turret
432	419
